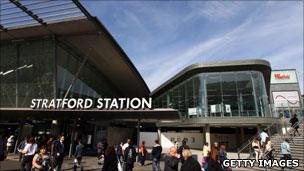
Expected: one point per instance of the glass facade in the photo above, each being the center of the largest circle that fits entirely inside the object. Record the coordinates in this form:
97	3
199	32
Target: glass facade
27	72
46	68
224	94
90	82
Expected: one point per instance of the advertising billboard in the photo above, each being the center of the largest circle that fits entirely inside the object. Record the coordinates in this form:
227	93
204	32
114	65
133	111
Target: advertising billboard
283	76
286	99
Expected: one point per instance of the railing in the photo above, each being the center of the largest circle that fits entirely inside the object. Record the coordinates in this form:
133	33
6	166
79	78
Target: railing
289	133
269	128
248	143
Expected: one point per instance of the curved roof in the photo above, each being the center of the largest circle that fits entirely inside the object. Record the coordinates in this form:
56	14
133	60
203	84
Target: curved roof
218	66
90	37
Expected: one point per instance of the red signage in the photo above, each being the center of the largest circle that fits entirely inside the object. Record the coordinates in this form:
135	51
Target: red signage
279	76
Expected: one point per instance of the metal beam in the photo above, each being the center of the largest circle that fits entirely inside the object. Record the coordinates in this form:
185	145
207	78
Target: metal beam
29	12
82	9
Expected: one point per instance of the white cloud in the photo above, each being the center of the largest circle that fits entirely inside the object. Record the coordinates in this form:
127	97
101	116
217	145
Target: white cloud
170	65
215	10
259	36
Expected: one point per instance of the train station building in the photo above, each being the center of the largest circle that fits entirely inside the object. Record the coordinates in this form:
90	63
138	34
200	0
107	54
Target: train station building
57	50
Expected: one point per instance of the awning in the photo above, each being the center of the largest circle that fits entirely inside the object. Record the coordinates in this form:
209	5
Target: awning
25	113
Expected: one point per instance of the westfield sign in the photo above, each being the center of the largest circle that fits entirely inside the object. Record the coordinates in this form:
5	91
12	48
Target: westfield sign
279	76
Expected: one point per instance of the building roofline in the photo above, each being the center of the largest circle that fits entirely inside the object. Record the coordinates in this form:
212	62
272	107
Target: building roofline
215	66
54	29
127	59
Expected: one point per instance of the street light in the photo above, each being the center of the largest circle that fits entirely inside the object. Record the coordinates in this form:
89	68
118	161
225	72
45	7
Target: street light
7	72
19	68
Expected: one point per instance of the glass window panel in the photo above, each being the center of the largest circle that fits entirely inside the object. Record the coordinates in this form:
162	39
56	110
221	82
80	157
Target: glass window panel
214	96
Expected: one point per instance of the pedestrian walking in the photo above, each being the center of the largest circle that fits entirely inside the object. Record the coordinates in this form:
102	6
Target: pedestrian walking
28	151
41	161
180	150
126	145
110	160
129	157
57	153
142	153
205	158
156	155
269	153
285	150
119	152
171	160
257	148
263	137
49	144
213	163
10	144
223	157
294	124
21	147
190	164
78	156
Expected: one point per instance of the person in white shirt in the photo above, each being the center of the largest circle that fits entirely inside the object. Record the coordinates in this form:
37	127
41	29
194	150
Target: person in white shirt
29	152
256	147
126	145
10	143
263	137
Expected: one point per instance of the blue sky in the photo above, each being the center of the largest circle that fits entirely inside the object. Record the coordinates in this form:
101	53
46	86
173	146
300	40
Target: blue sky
163	37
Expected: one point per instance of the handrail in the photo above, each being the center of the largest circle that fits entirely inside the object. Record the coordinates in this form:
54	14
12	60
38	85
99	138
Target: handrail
289	133
250	140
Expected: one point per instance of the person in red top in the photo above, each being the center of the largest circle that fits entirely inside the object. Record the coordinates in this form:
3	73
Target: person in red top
142	153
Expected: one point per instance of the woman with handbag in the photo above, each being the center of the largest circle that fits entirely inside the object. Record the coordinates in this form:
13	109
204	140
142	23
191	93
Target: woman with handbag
41	161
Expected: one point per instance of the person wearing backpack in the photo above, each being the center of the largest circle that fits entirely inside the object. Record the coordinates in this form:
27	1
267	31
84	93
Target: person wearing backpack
156	155
129	157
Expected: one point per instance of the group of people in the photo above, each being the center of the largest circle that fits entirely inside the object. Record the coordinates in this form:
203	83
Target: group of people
213	159
262	146
46	156
40	155
123	156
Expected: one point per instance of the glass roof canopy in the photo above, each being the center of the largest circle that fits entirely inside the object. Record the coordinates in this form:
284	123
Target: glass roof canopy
22	13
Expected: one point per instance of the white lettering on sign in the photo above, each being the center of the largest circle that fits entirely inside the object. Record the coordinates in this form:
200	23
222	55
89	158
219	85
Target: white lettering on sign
100	103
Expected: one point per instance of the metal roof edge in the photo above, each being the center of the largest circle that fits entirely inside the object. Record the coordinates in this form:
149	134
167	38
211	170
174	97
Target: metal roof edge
213	64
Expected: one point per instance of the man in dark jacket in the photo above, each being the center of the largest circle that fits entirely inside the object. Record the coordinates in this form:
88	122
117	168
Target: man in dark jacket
190	164
57	153
156	155
129	157
181	148
171	160
295	124
78	155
